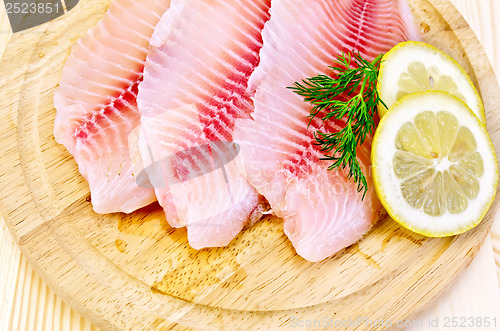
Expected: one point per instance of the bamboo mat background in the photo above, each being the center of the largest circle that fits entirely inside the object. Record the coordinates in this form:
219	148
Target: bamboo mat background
27	303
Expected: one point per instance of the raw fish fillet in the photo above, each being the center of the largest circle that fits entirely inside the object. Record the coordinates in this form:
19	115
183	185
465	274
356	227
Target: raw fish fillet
96	102
322	210
194	88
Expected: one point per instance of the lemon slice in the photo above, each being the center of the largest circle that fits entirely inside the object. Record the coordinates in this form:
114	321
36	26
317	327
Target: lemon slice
434	166
416	66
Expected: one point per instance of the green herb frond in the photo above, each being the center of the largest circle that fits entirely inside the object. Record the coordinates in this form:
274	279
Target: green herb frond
350	95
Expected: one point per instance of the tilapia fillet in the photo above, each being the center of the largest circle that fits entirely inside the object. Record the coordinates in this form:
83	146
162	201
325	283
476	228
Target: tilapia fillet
322	210
195	87
96	102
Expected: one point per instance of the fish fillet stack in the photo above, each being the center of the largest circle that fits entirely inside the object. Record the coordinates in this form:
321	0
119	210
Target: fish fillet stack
192	96
96	102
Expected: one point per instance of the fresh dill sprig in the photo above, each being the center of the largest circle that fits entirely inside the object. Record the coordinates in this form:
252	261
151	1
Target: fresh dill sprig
351	95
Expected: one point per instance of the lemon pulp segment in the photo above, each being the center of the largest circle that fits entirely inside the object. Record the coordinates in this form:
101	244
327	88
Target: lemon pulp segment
418	77
414	66
434	166
437	163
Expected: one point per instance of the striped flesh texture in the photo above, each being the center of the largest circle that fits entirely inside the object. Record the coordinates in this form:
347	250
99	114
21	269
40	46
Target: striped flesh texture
96	103
321	209
195	87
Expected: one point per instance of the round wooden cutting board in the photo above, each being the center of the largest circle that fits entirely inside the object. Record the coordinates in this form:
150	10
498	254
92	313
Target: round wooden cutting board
136	272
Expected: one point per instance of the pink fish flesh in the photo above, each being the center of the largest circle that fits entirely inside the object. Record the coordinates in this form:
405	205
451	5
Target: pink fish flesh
96	103
321	209
195	87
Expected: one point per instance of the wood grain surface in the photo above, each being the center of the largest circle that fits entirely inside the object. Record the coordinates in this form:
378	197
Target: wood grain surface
5	30
134	268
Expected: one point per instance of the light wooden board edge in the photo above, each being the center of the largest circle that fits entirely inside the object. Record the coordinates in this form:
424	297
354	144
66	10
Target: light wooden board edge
29	280
483	21
473	294
28	303
5	30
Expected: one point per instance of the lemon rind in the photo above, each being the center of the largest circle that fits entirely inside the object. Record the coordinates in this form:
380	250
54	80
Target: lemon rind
383	111
384	197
